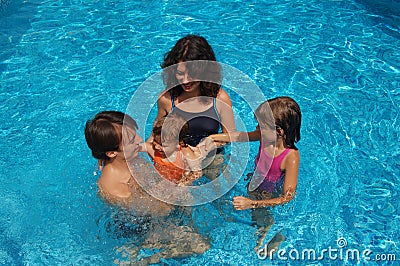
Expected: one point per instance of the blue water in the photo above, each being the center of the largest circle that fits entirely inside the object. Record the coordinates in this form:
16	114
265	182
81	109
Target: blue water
63	61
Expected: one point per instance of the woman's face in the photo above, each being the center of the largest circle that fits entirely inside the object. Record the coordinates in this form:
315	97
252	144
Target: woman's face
186	81
131	143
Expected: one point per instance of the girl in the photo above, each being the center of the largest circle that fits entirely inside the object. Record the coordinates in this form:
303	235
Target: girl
277	164
278	159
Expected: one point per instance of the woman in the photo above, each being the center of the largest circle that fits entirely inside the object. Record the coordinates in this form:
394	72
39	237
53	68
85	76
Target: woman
193	79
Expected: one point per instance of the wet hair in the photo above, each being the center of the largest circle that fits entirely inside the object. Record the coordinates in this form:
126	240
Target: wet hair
193	48
281	112
171	127
102	133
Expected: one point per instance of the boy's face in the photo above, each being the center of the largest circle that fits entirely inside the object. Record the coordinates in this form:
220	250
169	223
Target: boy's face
167	148
130	141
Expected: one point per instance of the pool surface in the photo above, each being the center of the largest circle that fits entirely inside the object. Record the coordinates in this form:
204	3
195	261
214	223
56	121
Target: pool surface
63	61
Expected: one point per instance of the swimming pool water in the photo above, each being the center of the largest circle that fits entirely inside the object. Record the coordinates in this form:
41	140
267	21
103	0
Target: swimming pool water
63	61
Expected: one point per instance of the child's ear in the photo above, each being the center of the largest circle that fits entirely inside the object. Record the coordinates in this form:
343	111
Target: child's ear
111	154
280	132
180	144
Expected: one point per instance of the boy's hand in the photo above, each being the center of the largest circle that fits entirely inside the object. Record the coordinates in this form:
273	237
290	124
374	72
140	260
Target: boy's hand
242	203
189	176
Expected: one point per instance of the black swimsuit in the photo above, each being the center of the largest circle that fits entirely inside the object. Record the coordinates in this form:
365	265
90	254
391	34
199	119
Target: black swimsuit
201	124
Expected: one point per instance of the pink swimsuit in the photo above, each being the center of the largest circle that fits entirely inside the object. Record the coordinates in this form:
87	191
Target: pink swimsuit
273	176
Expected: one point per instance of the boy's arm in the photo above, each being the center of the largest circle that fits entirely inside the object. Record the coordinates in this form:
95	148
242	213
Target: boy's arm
147	147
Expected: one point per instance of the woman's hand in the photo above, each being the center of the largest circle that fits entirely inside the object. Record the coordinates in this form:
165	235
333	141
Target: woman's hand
242	203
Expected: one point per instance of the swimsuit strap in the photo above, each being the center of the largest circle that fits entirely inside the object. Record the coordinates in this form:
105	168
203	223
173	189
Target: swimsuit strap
214	105
284	153
215	108
172	101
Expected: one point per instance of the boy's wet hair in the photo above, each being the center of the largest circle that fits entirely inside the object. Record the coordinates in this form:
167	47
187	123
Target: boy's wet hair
285	113
104	132
171	127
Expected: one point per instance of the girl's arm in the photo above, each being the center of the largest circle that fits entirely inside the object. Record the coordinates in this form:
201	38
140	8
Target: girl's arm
237	136
289	187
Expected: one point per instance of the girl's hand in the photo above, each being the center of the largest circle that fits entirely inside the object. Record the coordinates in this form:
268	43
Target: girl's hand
207	144
242	203
220	139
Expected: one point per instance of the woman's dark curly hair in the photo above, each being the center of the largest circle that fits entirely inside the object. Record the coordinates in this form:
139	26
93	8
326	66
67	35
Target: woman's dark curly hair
207	70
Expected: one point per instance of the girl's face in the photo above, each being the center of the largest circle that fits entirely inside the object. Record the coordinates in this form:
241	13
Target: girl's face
268	133
186	81
131	143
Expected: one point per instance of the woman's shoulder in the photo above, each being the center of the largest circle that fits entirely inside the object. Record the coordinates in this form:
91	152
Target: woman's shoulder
164	96
222	94
224	97
164	103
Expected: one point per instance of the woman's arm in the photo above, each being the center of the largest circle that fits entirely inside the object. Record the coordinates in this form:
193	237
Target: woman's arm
225	111
291	166
164	106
